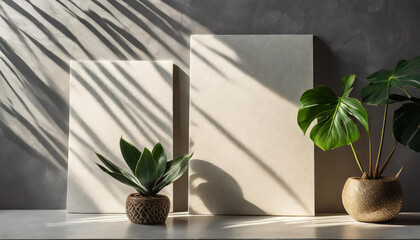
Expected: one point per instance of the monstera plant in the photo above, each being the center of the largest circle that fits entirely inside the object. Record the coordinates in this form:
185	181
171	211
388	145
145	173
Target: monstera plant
337	116
151	173
337	119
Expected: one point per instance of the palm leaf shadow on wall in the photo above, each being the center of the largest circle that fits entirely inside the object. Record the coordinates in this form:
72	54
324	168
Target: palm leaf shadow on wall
44	35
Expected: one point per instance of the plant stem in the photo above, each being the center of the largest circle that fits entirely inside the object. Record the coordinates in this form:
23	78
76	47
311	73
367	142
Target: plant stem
399	172
357	159
375	173
387	159
370	156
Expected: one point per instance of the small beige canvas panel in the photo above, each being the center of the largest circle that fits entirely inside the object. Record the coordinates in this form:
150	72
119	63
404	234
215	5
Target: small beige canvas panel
109	99
250	155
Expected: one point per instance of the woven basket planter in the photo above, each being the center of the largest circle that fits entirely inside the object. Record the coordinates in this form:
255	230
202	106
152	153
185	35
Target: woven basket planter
147	209
372	200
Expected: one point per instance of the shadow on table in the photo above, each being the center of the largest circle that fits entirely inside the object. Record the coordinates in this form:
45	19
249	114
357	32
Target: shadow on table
402	219
405	219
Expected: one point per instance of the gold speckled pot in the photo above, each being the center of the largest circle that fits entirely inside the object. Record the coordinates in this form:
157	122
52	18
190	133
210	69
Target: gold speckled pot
372	200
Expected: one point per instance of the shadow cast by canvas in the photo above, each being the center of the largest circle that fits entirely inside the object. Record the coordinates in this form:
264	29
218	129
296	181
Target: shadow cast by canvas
226	198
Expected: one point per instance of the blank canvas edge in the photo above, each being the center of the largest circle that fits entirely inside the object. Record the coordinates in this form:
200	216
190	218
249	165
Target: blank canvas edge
72	62
312	211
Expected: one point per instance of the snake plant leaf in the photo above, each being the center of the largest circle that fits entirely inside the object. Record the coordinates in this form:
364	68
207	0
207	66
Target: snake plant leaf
174	170
123	179
406	74
114	168
130	154
406	124
178	160
175	173
337	116
159	156
152	171
146	171
111	166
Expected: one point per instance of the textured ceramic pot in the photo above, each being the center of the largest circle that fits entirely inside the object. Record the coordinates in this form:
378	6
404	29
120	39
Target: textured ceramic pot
372	200
147	209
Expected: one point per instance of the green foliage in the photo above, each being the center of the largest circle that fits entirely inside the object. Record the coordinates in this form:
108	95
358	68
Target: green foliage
130	154
406	122
406	118
152	172
406	74
337	116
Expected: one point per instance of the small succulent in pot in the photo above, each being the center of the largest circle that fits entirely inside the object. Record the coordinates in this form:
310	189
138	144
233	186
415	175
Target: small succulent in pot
151	173
337	125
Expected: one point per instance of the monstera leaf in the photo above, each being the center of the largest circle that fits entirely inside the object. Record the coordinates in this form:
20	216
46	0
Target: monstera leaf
405	74
406	123
337	116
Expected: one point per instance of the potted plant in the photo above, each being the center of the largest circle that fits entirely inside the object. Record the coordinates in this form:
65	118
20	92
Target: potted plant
151	173
372	197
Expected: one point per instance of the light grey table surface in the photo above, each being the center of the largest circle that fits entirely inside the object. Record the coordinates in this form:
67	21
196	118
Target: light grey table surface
56	224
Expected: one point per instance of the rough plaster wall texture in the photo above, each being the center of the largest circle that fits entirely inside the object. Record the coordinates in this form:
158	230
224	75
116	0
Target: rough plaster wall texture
247	146
38	39
110	99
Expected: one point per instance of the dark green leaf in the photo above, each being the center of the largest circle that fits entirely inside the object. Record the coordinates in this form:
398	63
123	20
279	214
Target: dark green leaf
130	154
375	93
102	167
177	160
347	84
406	125
123	179
405	74
355	109
315	103
174	170
146	171
111	166
337	125
160	158
396	98
114	168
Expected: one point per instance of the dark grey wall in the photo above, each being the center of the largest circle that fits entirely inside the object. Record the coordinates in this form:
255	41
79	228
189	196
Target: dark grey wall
39	38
